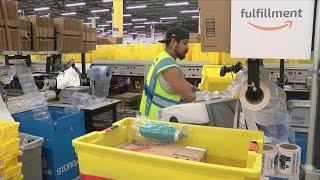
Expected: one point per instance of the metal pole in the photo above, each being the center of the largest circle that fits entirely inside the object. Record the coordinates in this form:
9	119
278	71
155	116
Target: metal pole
281	80
314	92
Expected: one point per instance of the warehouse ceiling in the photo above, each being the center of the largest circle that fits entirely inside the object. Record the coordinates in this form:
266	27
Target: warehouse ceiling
163	13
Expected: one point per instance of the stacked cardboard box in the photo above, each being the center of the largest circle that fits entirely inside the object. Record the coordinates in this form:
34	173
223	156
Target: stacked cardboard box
68	34
25	34
89	38
215	24
9	24
110	40
194	38
42	33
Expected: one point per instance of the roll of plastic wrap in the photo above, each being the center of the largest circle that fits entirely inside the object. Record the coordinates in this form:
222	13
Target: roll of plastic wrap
288	159
252	105
269	160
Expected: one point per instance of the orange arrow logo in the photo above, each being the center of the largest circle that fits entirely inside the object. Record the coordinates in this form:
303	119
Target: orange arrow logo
264	28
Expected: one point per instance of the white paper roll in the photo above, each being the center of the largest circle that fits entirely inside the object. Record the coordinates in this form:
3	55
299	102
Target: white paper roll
269	160
254	106
288	159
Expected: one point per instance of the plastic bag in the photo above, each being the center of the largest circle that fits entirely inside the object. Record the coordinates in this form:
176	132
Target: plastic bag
156	131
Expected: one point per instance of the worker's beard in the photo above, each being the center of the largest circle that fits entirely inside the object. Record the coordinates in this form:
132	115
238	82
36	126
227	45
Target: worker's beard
181	56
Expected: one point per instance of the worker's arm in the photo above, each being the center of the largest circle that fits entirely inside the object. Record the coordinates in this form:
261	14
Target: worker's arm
179	85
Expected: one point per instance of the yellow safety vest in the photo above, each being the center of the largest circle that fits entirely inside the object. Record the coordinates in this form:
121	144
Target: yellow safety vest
154	97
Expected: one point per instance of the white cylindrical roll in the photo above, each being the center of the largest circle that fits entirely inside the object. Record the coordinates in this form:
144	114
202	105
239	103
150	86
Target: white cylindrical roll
269	160
288	159
253	105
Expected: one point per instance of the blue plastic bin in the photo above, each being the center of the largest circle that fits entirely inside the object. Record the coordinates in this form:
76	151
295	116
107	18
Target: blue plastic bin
59	160
302	141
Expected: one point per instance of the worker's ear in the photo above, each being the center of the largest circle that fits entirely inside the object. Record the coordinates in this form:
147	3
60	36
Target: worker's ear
173	42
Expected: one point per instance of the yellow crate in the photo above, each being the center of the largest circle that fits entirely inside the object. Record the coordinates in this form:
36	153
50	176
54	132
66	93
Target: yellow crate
13	173
212	81
9	162
228	156
8	130
9	148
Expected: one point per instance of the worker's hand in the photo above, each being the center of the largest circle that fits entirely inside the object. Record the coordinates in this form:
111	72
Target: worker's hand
205	96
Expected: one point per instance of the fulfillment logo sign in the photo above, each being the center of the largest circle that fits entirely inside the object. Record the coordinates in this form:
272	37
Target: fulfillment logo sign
277	29
269	13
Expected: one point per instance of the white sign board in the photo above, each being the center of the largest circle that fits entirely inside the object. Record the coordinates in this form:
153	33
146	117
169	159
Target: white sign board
279	29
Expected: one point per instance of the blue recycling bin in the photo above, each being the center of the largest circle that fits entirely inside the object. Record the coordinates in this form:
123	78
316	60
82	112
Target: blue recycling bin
59	160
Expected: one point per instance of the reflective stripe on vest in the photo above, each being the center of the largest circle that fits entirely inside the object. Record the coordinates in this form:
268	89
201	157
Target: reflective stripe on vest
152	97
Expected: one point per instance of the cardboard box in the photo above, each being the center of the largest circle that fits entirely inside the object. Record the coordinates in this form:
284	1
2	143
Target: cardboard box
25	34
89	38
69	34
15	39
1	17
194	38
215	24
2	40
167	150
42	33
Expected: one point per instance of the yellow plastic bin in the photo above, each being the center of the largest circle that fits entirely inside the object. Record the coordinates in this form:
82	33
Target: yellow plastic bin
228	155
9	162
13	173
9	148
212	81
8	130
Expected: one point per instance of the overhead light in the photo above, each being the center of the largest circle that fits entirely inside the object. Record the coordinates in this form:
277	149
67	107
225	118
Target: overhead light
133	33
168	18
19	11
141	34
87	23
190	11
76	4
127	15
100	10
103	25
136	20
108	21
68	14
195	17
107	1
127	24
152	22
97	17
47	15
176	4
136	7
138	27
100	29
42	9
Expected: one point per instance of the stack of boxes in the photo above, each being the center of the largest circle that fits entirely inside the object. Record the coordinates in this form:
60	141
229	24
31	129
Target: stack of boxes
68	34
25	34
9	26
34	33
89	38
42	33
9	150
110	40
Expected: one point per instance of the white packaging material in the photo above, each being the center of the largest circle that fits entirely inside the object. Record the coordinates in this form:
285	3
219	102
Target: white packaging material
4	113
288	159
269	160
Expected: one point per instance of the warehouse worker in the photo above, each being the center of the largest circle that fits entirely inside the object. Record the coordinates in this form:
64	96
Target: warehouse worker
165	84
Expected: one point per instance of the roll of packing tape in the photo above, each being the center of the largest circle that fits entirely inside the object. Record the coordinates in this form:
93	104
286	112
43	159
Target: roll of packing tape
260	104
288	159
269	160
